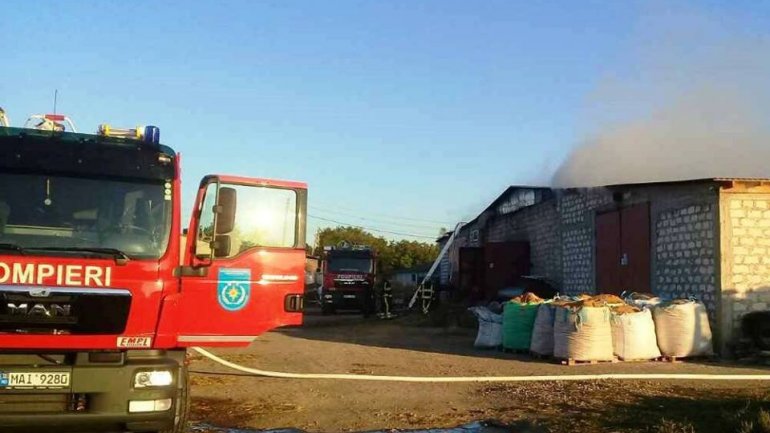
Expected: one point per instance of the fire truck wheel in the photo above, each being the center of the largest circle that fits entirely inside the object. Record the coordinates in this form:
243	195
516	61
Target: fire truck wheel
183	404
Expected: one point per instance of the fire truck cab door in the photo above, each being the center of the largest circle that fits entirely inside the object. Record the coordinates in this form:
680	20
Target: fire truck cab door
243	266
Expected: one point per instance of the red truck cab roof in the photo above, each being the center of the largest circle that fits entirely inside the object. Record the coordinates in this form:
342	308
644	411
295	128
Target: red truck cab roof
258	180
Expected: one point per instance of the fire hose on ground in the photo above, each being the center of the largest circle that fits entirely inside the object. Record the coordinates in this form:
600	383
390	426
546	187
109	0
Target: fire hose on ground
466	379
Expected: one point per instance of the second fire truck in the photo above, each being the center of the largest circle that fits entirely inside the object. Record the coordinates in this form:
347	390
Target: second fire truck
348	278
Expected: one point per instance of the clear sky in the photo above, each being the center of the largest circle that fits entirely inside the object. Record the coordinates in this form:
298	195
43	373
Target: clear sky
401	115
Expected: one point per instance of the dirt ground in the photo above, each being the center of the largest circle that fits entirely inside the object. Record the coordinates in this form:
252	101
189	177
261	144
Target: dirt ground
349	344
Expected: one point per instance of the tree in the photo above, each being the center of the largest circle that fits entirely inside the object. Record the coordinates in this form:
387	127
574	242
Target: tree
391	255
352	235
407	254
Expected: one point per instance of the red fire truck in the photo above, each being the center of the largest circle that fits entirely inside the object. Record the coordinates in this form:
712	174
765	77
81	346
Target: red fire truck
348	278
97	305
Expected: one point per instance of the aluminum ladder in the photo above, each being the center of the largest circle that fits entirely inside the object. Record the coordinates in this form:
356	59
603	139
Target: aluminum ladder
424	290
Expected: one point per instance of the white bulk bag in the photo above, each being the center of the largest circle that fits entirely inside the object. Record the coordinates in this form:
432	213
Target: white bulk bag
490	333
583	334
683	329
646	303
642	300
633	336
542	332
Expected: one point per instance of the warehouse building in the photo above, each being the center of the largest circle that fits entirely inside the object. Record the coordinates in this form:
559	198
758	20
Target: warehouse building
707	238
409	277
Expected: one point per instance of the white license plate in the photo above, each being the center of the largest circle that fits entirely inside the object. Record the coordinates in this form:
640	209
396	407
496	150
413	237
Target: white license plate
34	380
349	296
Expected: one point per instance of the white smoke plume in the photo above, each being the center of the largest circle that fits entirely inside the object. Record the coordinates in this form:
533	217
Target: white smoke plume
694	104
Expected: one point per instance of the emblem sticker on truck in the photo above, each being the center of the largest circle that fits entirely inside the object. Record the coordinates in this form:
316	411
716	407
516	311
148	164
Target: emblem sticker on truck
134	342
233	288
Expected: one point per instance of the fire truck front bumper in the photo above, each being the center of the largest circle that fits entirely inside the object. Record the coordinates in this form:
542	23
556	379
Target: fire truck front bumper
104	393
343	299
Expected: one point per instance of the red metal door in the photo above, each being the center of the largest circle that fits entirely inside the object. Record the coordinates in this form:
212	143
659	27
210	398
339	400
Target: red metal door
608	252
623	250
471	263
504	263
635	244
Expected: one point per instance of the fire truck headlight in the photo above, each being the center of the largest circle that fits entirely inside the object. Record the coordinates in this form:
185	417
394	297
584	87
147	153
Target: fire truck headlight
146	379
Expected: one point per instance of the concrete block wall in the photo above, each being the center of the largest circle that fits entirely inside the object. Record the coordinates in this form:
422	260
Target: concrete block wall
576	206
453	268
684	250
474	232
577	209
684	240
578	261
683	236
444	270
745	260
538	225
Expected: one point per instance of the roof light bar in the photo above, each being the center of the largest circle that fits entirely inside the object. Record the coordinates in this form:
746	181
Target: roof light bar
147	134
344	245
55	117
50	122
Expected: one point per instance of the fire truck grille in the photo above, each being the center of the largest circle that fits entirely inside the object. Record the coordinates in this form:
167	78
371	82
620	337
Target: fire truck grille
350	284
35	403
34	310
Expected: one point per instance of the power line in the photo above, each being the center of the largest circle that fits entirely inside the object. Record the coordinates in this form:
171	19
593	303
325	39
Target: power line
390	216
371	228
377	220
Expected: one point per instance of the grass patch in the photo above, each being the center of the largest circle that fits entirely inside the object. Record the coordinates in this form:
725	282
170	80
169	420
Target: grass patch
639	407
668	426
753	417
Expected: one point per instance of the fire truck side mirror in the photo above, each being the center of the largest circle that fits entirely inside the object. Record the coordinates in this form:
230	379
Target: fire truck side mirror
226	205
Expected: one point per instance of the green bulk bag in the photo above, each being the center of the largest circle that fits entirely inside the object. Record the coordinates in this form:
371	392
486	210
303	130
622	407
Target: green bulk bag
518	322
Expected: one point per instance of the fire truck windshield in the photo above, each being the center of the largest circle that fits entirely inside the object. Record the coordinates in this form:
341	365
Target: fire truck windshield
59	212
349	264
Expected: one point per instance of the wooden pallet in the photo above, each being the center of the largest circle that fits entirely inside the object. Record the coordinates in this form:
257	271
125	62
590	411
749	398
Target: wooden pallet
641	360
570	361
678	359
